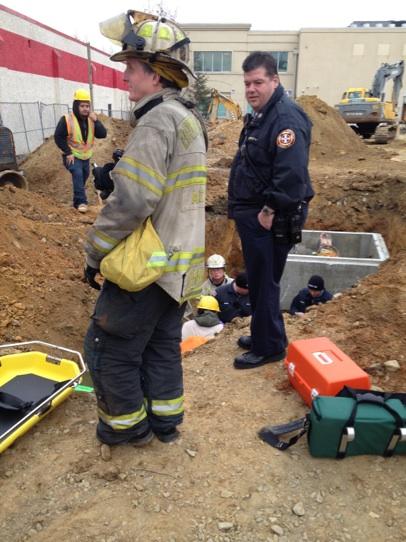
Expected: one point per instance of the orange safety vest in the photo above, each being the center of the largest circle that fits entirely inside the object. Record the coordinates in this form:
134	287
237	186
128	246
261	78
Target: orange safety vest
80	149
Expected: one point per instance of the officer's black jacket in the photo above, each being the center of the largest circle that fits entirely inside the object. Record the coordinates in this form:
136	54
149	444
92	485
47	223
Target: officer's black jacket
231	303
304	299
264	173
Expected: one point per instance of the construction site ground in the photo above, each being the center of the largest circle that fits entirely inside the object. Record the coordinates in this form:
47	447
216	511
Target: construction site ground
219	482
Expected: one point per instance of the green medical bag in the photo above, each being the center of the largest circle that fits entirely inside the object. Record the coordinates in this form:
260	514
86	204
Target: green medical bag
341	426
363	423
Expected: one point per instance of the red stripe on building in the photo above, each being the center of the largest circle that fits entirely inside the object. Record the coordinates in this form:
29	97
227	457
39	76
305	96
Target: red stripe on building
22	54
46	27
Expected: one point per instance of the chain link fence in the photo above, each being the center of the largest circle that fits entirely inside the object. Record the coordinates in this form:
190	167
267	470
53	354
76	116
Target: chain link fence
33	122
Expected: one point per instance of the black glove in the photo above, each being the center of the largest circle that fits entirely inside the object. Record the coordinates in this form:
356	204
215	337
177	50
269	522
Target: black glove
89	277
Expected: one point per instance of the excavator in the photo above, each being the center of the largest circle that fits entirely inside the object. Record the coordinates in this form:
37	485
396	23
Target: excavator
9	171
368	112
218	99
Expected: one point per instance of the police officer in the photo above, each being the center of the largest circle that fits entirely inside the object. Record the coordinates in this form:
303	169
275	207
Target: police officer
269	190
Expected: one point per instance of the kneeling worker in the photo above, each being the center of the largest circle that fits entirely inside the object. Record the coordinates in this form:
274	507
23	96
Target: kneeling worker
207	322
217	276
234	299
314	294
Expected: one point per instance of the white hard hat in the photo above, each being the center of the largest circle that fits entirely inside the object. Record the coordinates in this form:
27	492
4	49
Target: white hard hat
215	261
143	35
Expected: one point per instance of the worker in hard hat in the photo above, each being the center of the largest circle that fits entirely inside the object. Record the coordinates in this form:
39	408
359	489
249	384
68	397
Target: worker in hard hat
74	135
132	347
217	276
206	323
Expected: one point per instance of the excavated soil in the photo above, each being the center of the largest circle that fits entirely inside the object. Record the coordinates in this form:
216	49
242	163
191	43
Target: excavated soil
218	482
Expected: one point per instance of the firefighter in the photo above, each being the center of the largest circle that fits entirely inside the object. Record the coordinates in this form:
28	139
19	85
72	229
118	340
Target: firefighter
132	346
74	135
217	276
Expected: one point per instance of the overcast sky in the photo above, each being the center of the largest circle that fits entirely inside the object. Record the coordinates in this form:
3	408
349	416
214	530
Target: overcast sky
80	18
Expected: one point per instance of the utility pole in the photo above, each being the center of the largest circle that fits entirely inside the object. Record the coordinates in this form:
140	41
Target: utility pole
90	72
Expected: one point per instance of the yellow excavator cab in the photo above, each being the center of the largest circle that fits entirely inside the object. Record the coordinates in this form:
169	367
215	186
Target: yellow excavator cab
354	94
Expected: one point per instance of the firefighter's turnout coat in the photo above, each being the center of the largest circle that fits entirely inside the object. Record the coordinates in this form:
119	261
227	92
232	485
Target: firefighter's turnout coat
162	174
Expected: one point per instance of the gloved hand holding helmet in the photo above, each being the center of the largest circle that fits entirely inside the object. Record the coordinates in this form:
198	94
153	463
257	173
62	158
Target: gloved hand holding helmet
152	39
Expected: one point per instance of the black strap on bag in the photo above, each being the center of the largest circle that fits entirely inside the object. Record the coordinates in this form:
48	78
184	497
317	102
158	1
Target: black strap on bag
366	397
352	392
271	434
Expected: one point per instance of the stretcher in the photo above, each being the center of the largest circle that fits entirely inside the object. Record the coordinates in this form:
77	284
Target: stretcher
32	384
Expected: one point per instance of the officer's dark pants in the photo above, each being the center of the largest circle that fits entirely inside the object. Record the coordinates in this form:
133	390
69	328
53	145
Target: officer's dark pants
264	261
133	355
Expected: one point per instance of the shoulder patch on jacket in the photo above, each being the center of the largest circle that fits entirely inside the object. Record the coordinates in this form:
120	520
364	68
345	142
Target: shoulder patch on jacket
286	139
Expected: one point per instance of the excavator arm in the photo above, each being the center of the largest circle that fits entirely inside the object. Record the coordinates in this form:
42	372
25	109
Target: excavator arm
219	99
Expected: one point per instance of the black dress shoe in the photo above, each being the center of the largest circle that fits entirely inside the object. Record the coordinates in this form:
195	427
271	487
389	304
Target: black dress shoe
245	342
249	360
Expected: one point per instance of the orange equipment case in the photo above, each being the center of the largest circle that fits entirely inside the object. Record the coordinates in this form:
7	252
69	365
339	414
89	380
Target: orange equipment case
318	367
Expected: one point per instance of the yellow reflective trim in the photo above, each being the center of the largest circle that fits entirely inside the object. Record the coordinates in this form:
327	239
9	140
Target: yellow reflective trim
145	168
169	407
183	184
146	30
186	169
106	238
138	180
164	33
124	421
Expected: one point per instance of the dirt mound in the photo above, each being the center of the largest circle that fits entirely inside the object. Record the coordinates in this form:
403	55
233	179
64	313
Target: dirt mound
46	173
331	136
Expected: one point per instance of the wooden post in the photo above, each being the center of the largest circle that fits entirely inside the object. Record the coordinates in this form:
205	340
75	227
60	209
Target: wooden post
90	73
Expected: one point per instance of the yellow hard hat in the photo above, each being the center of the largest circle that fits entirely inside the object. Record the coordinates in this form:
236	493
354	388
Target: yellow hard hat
209	303
81	95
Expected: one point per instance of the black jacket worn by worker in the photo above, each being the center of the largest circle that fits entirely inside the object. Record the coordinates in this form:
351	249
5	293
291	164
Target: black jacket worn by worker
61	133
231	303
270	167
304	299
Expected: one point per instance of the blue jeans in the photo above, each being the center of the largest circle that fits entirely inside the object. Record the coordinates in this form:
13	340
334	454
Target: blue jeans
79	170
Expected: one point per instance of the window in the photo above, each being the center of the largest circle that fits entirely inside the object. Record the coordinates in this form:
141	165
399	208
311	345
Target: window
212	61
281	58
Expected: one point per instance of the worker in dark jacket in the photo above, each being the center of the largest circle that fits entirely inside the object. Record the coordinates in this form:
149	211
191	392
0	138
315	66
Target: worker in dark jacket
74	135
233	299
269	190
314	294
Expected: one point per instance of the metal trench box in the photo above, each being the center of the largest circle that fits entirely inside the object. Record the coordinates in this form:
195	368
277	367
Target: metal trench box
360	254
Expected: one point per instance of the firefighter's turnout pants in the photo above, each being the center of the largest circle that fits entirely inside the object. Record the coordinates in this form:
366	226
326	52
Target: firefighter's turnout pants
133	355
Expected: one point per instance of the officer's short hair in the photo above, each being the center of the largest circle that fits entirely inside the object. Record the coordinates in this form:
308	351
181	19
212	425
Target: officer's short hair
260	59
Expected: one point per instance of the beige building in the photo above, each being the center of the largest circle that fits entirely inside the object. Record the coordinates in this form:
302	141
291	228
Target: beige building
321	62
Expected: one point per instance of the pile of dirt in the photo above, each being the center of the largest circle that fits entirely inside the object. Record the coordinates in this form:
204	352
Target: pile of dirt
331	136
46	173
